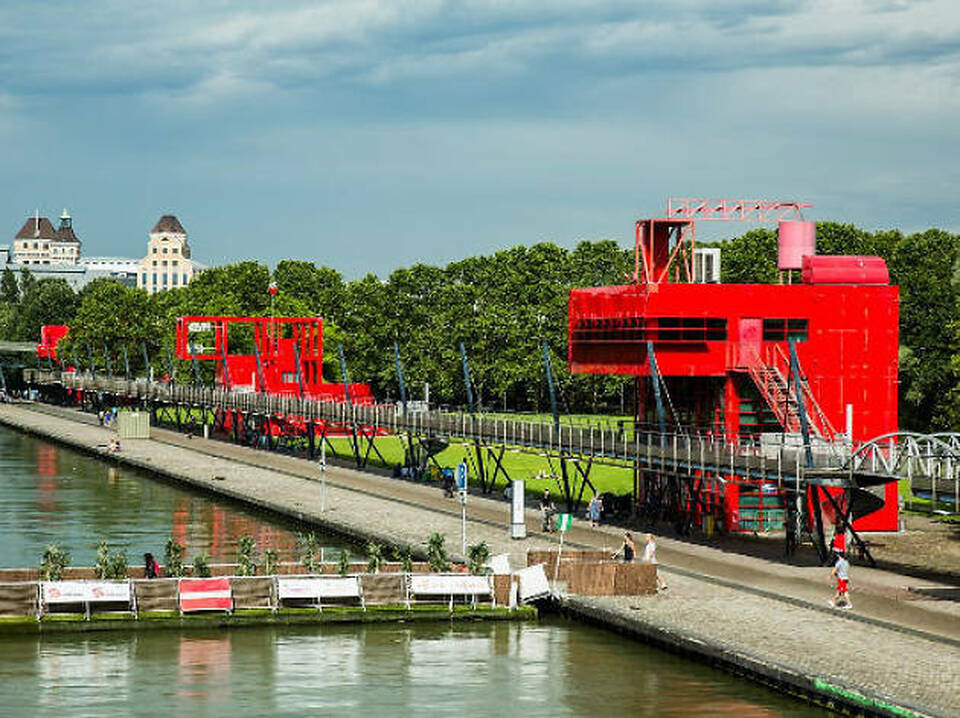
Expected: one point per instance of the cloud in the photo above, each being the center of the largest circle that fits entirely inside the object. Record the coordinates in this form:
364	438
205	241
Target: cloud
218	49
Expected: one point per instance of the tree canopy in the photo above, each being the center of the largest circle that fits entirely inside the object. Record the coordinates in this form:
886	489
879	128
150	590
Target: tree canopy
501	306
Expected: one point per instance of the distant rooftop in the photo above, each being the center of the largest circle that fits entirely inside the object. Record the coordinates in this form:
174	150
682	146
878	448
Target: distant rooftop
168	223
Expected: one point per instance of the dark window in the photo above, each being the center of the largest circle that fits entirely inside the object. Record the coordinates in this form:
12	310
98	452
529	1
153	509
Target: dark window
780	330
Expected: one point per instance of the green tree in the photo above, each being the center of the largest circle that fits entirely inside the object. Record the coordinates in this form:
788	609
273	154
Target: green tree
9	289
48	301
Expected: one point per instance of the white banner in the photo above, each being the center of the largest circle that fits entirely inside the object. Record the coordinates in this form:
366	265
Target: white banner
85	591
339	587
533	582
450	585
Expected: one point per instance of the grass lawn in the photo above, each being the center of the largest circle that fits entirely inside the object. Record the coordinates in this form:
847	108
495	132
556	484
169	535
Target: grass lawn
538	472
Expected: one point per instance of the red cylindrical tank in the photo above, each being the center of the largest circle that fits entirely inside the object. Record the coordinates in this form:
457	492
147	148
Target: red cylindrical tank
795	240
836	269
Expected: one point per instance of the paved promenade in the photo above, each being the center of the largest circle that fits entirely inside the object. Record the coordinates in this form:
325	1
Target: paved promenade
891	647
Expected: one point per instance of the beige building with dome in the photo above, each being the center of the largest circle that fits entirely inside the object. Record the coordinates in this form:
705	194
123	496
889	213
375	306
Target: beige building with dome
167	264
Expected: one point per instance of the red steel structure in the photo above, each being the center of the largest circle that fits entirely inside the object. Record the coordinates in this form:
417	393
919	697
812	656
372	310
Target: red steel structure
722	349
50	336
289	351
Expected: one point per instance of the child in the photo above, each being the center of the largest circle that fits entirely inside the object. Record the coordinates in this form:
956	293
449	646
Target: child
841	570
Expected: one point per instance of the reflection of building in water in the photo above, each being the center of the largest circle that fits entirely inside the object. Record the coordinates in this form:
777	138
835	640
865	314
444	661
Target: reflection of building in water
46	459
200	525
203	664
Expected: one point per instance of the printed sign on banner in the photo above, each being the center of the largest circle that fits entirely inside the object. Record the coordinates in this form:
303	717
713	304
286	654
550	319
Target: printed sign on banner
64	592
340	587
298	587
109	591
348	587
449	585
85	591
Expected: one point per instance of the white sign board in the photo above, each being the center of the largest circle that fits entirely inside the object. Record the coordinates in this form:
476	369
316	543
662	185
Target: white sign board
499	564
317	588
348	587
450	585
85	591
199	327
518	521
533	583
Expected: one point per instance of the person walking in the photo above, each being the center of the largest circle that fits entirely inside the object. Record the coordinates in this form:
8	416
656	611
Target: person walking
547	511
594	509
628	549
841	571
151	569
650	556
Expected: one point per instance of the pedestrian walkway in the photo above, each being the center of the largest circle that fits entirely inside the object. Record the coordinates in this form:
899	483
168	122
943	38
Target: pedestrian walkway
907	651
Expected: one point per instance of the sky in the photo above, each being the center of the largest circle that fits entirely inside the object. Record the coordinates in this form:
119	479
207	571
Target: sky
371	134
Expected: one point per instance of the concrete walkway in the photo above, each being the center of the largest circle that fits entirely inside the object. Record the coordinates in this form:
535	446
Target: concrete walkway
891	646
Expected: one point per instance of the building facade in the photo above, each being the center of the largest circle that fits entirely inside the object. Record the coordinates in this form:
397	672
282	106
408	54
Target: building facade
168	264
39	243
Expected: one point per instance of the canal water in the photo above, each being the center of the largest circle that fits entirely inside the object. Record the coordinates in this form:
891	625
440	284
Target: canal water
51	495
550	668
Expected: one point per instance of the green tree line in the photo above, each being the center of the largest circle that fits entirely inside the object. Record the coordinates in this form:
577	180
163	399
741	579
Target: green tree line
501	306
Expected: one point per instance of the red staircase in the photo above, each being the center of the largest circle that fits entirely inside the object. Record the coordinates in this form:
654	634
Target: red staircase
769	372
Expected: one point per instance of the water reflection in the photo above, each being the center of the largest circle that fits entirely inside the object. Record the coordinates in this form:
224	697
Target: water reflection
53	495
437	670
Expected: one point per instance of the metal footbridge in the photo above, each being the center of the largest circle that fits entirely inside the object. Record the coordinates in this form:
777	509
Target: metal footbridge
674	474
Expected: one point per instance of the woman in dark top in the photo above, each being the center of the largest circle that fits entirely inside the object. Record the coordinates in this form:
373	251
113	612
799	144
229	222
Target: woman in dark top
628	549
150	566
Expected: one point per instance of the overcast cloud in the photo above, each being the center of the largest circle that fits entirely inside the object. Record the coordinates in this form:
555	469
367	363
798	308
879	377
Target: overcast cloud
372	134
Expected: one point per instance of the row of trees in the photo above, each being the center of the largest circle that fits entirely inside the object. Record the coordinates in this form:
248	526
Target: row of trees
500	306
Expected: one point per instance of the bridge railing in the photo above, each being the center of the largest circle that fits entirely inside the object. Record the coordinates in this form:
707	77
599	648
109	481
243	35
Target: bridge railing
629	445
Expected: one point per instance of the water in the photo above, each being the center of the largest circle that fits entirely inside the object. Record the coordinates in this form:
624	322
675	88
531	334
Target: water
53	495
551	668
548	669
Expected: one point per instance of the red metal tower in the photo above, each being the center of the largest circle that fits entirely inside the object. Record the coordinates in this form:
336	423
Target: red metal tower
723	349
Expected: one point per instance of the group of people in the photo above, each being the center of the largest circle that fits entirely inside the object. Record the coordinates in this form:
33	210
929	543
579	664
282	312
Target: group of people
628	551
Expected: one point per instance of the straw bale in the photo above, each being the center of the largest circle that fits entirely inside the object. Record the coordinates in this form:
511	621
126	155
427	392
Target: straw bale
252	591
383	588
157	594
18	599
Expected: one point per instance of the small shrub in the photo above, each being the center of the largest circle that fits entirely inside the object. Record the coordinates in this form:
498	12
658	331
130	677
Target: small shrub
437	553
201	565
102	568
173	558
117	565
343	563
310	551
477	556
404	555
246	556
55	560
374	557
270	560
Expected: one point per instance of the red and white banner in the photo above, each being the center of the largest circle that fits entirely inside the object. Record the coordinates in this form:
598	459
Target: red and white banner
205	594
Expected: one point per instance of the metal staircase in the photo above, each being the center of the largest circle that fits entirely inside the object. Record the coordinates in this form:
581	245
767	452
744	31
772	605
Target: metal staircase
769	372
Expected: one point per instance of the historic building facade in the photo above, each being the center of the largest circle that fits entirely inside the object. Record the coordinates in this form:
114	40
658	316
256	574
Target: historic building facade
168	264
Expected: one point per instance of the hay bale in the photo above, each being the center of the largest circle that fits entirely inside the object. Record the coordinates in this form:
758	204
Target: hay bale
383	588
501	589
157	594
18	599
252	591
636	579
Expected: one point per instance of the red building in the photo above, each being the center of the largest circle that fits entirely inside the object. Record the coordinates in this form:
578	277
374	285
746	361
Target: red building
277	355
723	349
